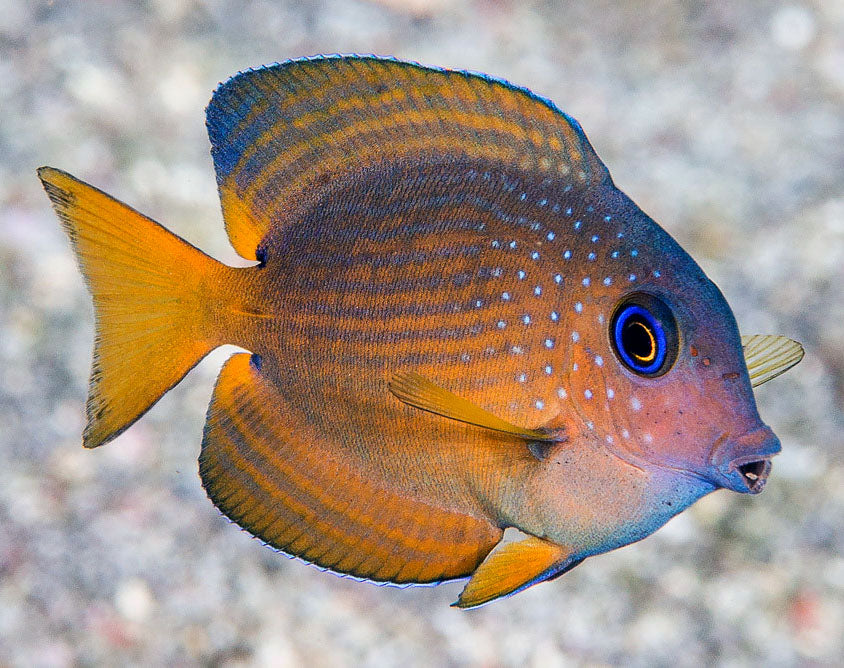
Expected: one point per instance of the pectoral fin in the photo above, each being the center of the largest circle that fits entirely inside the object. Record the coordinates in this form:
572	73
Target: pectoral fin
419	392
769	356
513	567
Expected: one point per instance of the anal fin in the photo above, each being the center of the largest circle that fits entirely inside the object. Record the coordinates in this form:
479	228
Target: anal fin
514	567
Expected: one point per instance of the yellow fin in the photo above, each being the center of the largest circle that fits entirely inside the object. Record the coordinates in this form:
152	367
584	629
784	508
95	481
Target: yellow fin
419	392
513	567
149	288
768	356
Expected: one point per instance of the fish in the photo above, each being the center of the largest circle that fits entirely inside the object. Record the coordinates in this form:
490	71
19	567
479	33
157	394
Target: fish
454	324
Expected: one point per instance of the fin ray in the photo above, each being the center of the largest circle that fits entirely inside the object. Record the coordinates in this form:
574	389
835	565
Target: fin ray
768	356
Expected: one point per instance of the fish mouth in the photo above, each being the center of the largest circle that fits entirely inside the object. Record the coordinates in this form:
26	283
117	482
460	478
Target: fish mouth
751	472
743	464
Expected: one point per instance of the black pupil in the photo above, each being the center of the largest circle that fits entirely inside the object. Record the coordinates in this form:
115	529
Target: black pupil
638	340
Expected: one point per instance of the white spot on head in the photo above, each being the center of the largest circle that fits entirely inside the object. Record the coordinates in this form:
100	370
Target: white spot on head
595	237
555	316
568	211
577	224
647	438
614	255
632	277
607	281
516	350
522	377
578	307
609	438
551	236
587	394
501	324
512	244
549	343
586	281
534	255
521	274
496	243
635	404
607	219
523	197
537	290
591	425
465	357
620	235
478	303
574	367
526	319
556	208
539	404
610	393
591	257
548	369
657	274
496	272
558	279
575	337
543	202
599	360
505	296
561	393
625	433
634	253
567	255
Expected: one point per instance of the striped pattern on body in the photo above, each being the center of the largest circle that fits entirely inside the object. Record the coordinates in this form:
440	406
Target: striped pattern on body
280	130
260	467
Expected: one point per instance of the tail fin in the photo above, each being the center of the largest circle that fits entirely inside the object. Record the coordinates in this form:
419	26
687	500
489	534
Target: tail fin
151	301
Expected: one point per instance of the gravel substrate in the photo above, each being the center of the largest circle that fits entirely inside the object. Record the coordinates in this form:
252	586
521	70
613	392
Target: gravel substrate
723	120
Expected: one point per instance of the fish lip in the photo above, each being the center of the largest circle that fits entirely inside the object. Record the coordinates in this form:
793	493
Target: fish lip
743	463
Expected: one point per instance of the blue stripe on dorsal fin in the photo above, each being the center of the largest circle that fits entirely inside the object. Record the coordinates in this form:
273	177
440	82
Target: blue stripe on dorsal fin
276	130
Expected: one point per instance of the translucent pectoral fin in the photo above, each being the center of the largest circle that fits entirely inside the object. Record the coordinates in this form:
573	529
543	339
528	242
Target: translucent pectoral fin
419	392
768	356
514	567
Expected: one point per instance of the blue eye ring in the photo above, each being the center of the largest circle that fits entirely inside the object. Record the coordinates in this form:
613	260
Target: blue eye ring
644	335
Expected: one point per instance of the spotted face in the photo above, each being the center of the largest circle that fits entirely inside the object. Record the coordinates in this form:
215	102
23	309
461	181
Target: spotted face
655	368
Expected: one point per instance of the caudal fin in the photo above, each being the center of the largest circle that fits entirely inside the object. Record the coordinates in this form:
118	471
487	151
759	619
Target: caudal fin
151	302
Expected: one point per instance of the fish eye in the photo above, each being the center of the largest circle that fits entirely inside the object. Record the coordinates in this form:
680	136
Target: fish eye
644	335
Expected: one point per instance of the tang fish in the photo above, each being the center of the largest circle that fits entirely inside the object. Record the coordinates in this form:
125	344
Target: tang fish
455	324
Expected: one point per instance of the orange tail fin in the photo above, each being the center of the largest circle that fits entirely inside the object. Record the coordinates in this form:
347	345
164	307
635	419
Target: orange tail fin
151	300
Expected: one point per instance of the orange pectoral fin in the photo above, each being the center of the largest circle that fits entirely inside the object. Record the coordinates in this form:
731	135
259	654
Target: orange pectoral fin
514	567
417	391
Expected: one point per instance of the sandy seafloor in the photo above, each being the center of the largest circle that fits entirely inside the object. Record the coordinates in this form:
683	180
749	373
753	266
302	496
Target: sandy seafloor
723	120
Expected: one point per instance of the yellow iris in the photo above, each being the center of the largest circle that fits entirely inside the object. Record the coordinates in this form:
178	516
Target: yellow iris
651	356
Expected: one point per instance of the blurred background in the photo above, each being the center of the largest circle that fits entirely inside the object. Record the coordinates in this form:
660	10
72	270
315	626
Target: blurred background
723	120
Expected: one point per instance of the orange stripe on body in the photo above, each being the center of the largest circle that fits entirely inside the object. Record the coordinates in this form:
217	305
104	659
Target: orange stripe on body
438	554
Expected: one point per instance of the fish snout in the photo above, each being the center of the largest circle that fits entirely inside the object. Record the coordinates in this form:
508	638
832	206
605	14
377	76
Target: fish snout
743	464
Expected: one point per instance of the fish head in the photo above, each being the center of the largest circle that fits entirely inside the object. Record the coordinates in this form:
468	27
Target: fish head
657	371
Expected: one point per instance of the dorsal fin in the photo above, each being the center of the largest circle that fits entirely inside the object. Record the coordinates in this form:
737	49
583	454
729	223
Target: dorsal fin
767	356
281	131
419	392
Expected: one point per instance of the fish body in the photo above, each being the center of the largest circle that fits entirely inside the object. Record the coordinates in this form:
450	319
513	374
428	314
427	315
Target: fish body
457	228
